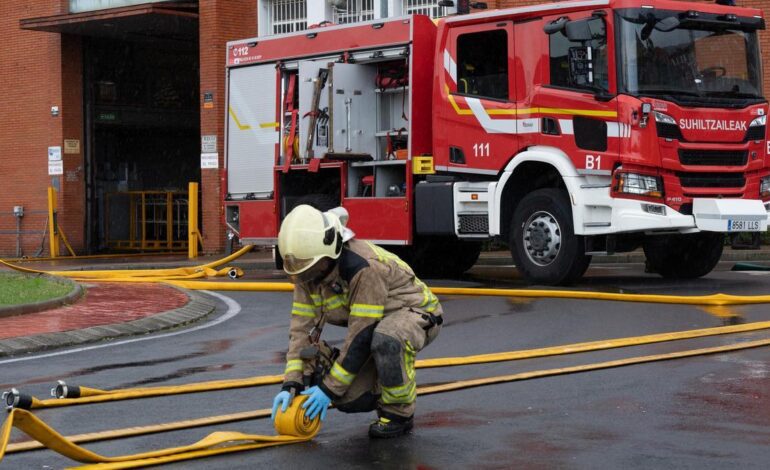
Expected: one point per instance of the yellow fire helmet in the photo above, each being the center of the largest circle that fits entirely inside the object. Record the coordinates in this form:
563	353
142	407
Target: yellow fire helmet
307	235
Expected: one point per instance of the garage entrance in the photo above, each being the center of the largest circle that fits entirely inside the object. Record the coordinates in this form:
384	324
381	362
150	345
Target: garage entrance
143	141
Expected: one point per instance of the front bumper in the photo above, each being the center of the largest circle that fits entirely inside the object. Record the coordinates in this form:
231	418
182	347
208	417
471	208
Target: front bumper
596	213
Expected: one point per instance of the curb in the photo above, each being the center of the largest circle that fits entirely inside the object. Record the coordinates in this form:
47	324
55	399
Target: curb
197	308
74	294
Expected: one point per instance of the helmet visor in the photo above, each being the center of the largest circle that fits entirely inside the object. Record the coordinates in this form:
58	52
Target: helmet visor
293	265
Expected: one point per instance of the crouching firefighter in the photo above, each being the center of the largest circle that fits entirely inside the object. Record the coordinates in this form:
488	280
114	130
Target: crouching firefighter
389	313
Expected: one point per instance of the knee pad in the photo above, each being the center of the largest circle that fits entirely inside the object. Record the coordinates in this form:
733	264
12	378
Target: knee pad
366	402
388	355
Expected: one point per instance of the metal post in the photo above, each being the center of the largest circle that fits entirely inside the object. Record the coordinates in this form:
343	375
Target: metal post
192	221
52	229
169	221
144	222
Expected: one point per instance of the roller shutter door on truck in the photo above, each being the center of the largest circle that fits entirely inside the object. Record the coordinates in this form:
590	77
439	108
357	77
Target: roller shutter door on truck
251	131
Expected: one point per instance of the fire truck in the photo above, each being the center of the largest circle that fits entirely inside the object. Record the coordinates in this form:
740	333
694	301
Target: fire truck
565	130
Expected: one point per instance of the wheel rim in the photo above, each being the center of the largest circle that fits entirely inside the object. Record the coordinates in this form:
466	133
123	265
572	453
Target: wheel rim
542	238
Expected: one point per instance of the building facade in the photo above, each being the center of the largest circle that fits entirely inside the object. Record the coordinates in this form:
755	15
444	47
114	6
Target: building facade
113	103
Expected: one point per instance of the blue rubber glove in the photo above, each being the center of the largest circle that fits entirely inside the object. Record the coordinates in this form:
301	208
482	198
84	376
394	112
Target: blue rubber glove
283	398
317	403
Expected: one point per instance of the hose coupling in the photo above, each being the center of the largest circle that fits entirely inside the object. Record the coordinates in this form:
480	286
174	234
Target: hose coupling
15	399
233	273
62	390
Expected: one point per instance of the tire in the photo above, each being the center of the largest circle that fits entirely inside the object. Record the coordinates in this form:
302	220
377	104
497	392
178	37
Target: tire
684	256
543	241
439	256
443	257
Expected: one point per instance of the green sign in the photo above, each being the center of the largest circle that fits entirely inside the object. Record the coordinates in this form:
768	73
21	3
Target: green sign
107	117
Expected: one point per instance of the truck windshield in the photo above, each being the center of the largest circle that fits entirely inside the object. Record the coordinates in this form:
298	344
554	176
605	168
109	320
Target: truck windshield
700	58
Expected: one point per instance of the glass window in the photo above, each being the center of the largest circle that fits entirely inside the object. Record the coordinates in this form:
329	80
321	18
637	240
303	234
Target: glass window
482	64
580	64
699	59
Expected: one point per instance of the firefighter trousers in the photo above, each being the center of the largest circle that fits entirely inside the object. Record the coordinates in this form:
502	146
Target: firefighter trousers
386	381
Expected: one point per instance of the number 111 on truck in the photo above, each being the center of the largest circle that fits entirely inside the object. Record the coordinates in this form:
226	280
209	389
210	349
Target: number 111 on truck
565	130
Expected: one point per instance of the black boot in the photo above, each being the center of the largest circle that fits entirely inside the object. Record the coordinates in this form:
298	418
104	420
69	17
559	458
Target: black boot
385	428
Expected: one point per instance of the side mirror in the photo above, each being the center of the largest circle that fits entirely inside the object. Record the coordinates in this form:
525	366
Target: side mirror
555	26
667	24
578	31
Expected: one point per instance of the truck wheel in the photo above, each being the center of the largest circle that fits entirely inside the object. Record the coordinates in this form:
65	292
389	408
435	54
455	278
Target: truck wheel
440	257
684	256
543	241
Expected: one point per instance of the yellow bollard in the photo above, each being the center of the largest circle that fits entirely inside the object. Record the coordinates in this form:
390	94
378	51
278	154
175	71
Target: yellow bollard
52	226
192	221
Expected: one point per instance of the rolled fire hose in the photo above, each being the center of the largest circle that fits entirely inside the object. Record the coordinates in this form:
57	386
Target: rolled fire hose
292	427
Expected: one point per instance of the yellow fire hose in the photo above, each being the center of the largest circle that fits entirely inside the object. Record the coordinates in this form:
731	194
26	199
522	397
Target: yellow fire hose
69	395
713	299
293	421
216	443
147	275
292	427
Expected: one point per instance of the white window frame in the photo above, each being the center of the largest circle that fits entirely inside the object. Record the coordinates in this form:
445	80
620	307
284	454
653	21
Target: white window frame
282	16
424	7
356	11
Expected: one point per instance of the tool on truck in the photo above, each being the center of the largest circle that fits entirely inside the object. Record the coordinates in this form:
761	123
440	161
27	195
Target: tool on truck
565	130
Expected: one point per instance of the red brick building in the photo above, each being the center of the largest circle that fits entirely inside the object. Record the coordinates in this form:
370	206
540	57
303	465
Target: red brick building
126	94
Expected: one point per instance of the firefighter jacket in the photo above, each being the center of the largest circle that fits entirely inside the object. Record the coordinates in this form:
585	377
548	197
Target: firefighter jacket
367	284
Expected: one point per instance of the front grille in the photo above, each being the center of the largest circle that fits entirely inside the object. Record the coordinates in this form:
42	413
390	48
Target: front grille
713	157
755	133
474	223
711	180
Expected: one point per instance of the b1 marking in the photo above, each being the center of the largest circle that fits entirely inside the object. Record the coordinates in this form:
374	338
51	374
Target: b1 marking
593	162
481	150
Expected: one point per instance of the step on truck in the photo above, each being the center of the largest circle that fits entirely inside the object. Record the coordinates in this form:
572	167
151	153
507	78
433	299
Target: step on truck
565	130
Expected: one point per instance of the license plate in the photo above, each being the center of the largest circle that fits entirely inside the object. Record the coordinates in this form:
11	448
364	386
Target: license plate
738	225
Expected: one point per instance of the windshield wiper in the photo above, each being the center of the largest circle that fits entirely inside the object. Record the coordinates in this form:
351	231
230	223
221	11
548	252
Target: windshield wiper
732	94
666	91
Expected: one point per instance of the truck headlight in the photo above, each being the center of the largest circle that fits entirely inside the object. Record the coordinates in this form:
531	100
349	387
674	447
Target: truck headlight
764	187
760	121
665	118
638	184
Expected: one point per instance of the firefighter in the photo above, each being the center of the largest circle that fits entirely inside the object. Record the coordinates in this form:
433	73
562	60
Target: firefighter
389	313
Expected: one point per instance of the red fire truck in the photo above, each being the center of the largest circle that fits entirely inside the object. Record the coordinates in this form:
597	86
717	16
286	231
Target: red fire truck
566	129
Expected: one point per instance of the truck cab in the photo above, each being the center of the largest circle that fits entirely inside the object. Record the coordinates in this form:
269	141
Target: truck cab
600	126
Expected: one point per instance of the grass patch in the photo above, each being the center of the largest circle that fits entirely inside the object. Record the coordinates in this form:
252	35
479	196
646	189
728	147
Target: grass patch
16	289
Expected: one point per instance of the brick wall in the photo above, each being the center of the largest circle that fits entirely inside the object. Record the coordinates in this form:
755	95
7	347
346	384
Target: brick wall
30	74
220	21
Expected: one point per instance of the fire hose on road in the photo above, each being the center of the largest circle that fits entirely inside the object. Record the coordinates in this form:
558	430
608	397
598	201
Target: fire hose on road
225	442
298	428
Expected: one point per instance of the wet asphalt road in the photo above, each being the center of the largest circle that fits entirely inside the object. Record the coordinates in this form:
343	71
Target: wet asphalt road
703	412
